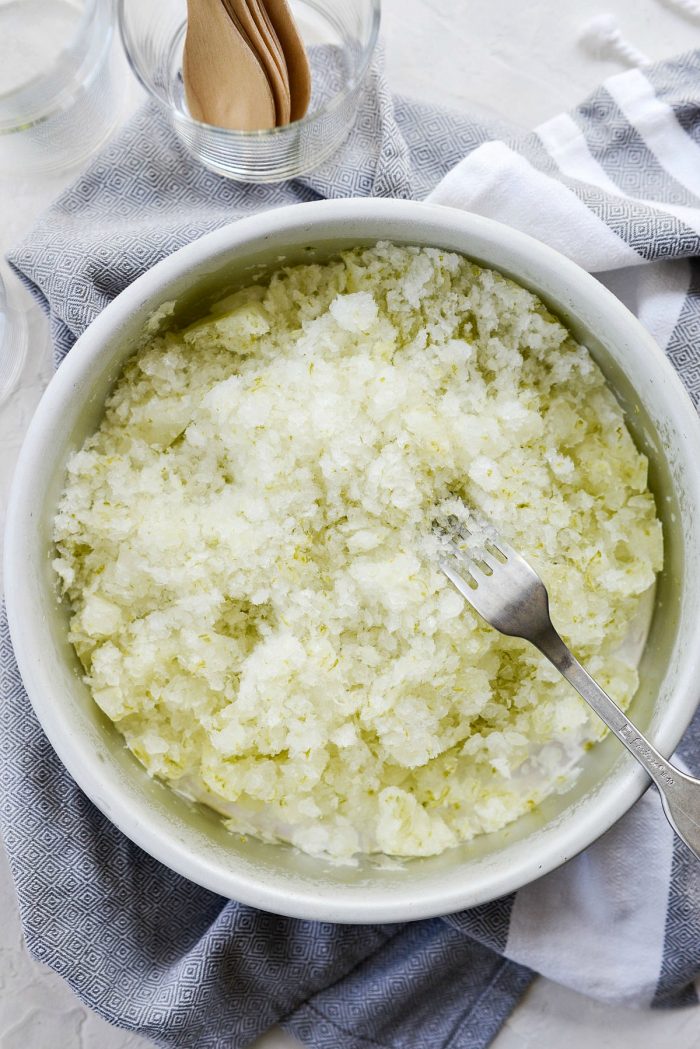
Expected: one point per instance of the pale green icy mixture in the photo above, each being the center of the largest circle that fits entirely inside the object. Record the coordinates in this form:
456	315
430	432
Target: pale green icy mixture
246	546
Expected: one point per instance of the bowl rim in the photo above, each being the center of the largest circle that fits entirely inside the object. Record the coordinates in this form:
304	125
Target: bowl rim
570	835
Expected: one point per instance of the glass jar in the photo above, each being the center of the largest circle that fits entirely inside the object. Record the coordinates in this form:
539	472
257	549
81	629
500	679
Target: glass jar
58	96
340	38
13	345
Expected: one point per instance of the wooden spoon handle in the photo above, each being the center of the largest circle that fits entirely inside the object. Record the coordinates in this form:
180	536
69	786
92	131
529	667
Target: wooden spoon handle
294	51
269	35
225	84
243	19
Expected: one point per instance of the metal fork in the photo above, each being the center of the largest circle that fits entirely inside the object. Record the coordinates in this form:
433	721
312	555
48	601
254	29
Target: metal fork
507	592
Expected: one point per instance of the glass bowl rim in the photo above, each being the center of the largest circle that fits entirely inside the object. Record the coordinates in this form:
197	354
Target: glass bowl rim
37	112
86	16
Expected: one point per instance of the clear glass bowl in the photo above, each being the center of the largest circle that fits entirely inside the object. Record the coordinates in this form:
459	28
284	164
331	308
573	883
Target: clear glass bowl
58	96
340	37
13	345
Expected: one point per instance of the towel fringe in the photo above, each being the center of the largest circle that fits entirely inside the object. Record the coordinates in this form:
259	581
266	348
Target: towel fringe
686	7
603	37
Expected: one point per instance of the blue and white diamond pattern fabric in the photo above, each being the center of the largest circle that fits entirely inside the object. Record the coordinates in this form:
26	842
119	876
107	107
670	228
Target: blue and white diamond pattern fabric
152	952
157	954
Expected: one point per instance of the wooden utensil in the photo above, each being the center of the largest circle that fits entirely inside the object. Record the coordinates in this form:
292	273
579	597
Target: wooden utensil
225	83
242	16
294	52
262	20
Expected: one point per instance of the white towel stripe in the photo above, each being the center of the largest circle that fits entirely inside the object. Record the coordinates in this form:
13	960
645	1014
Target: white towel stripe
596	928
656	293
496	182
566	144
599	923
657	124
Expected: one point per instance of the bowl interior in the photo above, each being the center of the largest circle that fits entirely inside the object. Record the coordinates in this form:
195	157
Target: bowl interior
188	836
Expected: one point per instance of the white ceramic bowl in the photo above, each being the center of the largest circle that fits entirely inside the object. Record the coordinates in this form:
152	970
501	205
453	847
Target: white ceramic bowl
189	838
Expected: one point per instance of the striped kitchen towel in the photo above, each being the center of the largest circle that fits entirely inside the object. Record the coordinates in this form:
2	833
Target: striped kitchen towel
614	185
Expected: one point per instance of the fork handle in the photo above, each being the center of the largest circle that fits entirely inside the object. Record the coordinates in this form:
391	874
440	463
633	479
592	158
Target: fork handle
680	794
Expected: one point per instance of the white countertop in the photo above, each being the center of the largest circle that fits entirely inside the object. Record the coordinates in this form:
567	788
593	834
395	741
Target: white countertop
522	61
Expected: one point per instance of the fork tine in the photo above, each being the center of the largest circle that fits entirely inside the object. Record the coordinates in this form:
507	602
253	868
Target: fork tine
497	582
484	556
494	536
459	581
497	540
457	525
472	559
